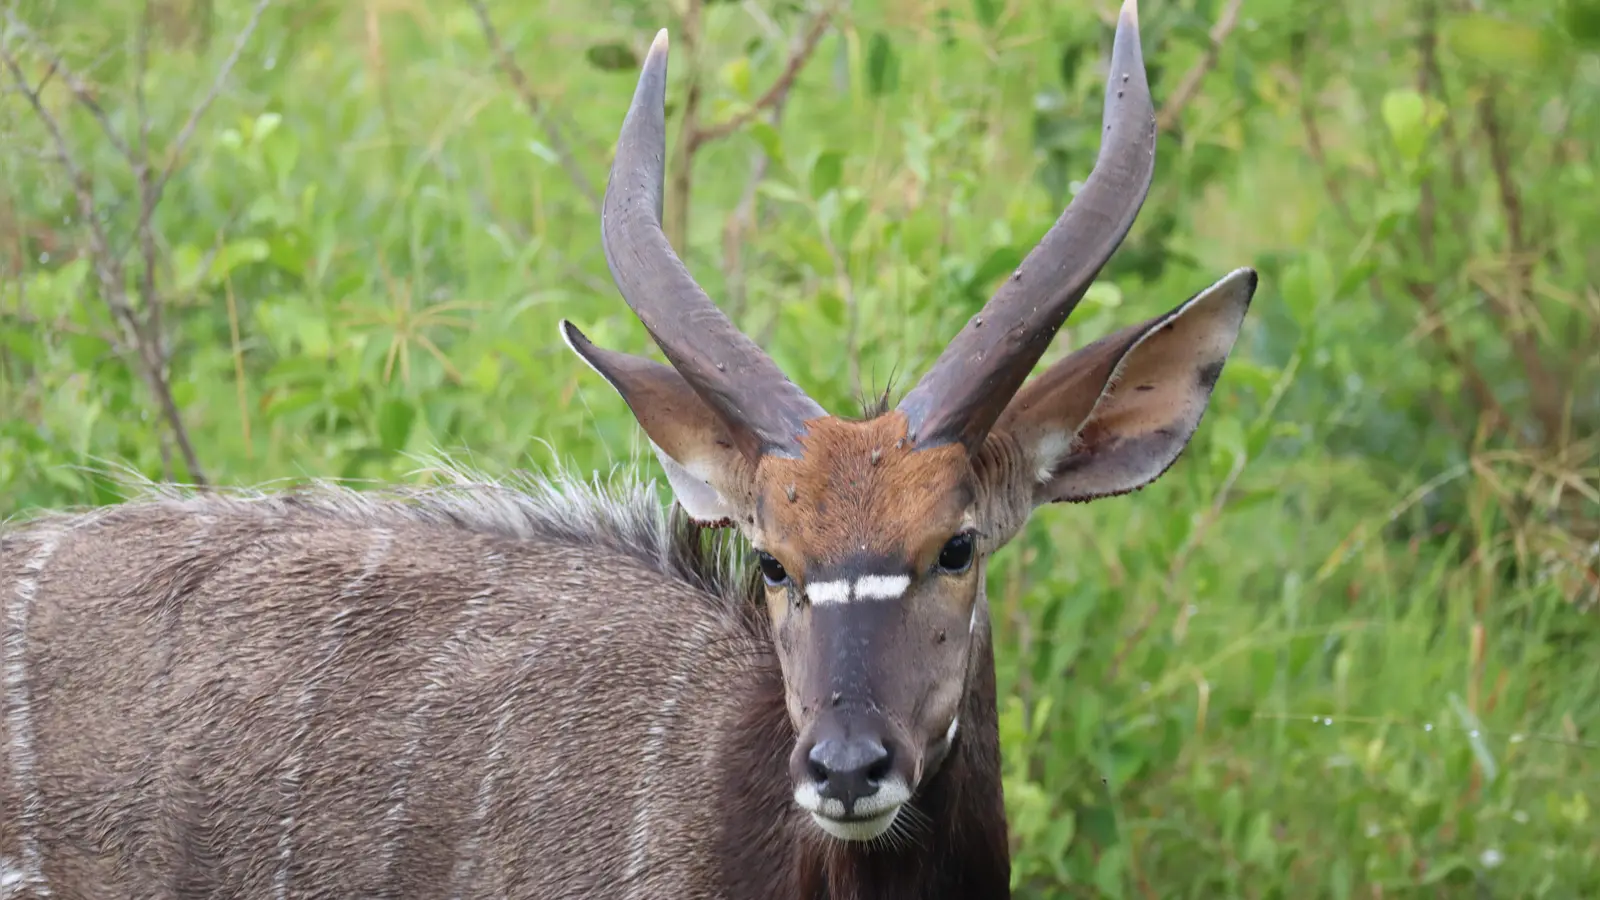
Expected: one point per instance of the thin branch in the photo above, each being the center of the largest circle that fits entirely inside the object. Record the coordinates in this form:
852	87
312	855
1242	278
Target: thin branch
106	269
1544	388
681	177
1313	132
743	219
1190	85
76	85
778	92
519	83
693	136
175	152
141	172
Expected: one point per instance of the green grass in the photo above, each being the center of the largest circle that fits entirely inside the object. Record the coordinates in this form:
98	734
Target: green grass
1340	650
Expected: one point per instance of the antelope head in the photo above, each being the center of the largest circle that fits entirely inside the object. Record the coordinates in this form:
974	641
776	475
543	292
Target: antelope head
872	535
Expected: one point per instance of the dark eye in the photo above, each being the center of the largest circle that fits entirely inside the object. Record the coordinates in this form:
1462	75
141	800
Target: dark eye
772	570
957	553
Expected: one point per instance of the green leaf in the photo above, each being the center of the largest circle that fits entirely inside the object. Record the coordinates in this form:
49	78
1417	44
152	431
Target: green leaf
1259	847
1443	869
485	376
1108	872
777	190
987	11
1103	295
771	142
735	73
883	66
612	56
850	222
1000	261
1406	115
265	124
543	151
832	307
1232	808
235	254
826	172
394	423
1581	19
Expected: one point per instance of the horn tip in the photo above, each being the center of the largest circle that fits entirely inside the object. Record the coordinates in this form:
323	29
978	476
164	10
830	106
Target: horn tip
572	336
1130	12
1252	278
658	47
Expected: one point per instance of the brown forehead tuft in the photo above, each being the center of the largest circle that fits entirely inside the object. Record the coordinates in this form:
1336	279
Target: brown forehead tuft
862	487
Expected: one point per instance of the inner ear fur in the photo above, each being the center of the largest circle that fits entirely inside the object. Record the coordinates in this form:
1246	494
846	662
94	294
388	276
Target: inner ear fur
1114	415
710	477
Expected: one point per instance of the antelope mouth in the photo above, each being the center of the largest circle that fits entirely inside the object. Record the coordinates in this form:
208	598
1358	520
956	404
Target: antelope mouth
868	817
858	828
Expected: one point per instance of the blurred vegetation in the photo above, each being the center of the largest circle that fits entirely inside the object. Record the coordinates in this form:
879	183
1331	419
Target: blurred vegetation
1345	648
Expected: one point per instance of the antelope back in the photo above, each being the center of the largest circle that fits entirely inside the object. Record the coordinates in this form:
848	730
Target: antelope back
476	693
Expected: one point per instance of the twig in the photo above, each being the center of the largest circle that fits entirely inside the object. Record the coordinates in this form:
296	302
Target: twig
693	136
76	85
1544	388
141	171
519	83
1190	85
1424	290
1314	146
106	267
743	217
778	92
681	179
187	131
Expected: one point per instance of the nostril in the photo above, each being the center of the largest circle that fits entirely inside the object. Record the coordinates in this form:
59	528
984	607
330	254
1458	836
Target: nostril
816	768
879	768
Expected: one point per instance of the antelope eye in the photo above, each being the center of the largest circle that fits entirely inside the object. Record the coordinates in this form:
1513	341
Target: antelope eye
772	570
957	553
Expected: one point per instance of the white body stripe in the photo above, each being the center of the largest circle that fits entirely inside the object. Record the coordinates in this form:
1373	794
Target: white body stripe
290	783
867	587
20	723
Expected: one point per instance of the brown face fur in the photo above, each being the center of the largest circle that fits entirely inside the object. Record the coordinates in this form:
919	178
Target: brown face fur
862	502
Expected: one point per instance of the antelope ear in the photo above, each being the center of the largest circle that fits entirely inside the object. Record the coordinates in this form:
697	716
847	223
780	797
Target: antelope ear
709	476
1113	416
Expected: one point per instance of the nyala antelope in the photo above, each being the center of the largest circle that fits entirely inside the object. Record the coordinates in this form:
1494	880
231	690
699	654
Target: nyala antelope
553	689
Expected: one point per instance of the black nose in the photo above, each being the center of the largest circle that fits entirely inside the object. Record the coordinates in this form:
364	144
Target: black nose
848	770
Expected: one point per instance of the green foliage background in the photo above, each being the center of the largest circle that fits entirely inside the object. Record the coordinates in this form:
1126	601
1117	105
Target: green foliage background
1344	648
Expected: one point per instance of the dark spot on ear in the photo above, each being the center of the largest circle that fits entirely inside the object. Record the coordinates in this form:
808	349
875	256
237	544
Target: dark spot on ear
941	638
1145	387
724	444
1209	373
